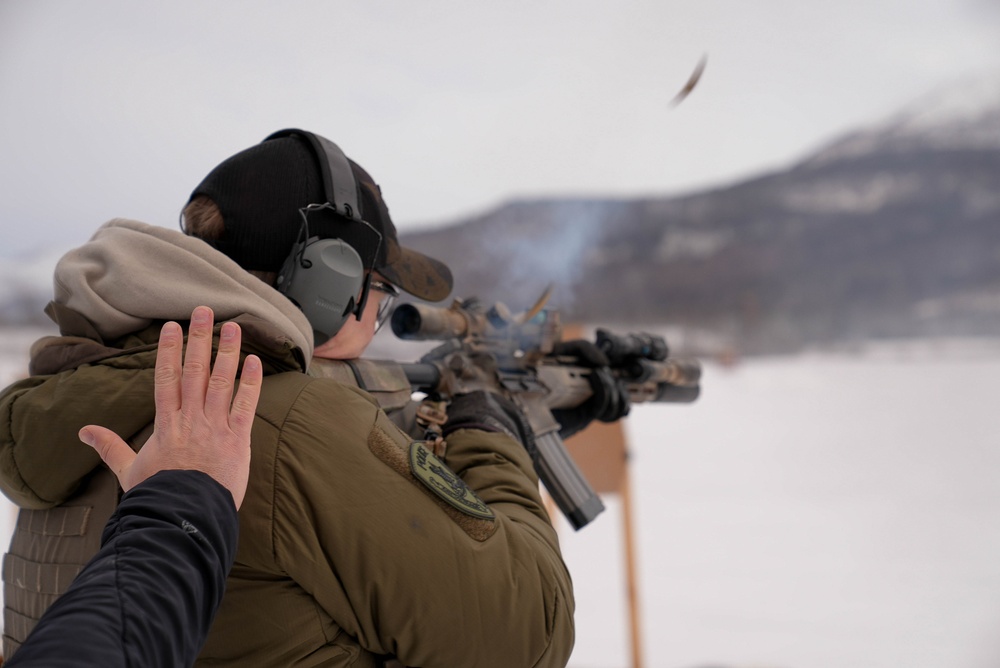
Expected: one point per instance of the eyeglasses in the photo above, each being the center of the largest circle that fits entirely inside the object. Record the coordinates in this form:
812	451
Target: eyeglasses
385	306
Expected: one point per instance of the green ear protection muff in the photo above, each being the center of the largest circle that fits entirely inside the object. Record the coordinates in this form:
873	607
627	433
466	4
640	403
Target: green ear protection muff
324	277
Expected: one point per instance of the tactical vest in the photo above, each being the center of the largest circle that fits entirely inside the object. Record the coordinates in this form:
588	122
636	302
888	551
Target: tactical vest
50	547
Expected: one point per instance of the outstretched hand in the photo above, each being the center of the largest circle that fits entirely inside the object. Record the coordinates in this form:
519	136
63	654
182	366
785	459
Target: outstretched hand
198	425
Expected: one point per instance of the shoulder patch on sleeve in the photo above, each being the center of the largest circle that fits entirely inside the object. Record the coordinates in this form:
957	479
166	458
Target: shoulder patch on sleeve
441	480
394	448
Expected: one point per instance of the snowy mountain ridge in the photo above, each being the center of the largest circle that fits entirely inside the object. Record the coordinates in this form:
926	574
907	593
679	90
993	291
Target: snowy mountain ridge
964	115
890	232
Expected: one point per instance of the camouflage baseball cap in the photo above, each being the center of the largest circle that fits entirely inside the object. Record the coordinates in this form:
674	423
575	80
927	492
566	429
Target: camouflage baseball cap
259	192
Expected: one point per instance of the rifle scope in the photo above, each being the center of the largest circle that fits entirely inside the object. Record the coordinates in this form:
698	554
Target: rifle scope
419	322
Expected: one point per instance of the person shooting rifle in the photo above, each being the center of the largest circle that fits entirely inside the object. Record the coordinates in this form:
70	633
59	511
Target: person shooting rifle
348	553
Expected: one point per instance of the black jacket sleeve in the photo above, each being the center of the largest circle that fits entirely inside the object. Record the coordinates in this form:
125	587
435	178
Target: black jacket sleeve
150	594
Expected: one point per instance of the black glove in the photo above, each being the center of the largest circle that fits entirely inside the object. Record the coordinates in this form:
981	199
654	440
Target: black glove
609	401
488	411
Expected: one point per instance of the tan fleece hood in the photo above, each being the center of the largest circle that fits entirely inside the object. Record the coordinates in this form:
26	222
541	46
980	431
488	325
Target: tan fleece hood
99	281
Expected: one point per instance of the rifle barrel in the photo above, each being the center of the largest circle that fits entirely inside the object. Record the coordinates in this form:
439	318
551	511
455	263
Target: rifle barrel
681	372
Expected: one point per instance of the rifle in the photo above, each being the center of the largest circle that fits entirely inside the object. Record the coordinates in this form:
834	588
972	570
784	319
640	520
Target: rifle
495	350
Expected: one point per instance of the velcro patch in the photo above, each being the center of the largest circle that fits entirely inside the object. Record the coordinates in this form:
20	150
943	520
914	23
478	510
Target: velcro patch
445	484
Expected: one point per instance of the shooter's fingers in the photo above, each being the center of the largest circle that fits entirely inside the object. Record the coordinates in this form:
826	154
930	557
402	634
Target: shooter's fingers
197	360
111	448
220	385
167	376
245	403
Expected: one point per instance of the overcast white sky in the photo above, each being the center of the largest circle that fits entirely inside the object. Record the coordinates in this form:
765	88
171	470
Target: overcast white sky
118	108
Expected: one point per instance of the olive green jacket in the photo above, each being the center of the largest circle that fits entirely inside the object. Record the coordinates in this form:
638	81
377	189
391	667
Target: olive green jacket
354	542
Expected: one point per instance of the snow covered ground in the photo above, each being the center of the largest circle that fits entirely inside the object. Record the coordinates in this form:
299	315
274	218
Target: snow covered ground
828	510
817	511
